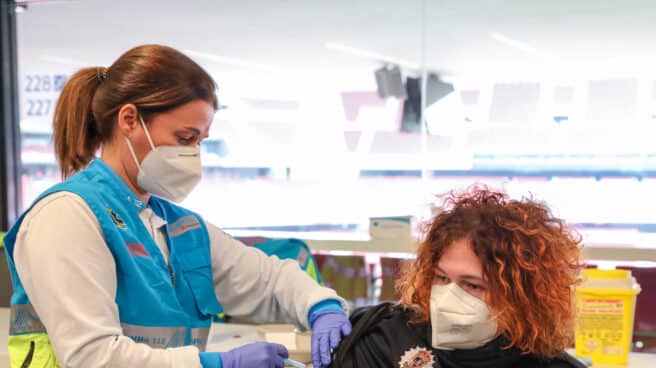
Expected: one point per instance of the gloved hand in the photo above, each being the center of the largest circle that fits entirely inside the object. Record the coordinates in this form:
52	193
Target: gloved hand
327	331
259	354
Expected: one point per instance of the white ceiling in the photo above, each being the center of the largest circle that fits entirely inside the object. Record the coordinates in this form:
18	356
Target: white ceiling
466	40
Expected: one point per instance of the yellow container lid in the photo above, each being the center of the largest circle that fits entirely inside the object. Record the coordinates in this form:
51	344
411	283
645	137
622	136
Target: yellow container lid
598	281
595	273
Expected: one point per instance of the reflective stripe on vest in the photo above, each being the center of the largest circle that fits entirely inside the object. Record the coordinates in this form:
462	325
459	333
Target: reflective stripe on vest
24	320
165	337
199	337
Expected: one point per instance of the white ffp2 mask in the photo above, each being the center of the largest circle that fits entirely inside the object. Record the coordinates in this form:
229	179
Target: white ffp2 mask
459	320
170	172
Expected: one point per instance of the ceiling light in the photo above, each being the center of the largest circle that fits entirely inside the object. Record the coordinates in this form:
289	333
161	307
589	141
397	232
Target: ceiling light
371	55
236	62
519	45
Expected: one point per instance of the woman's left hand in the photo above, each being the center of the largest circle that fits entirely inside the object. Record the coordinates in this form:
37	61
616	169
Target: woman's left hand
327	331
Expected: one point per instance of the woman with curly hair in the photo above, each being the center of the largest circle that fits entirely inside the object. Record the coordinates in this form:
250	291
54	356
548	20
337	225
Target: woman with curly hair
491	287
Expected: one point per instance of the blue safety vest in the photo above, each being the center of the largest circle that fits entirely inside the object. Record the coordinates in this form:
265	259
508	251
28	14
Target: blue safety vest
160	305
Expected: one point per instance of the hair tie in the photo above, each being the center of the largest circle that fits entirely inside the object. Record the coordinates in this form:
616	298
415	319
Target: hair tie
101	74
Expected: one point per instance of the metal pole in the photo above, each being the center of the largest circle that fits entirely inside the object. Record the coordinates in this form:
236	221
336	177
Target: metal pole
424	76
10	188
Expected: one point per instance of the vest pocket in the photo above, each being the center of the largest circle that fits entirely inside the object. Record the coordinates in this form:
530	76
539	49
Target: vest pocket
197	271
200	283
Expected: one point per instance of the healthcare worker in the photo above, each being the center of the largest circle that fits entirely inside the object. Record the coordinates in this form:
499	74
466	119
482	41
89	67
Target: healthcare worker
492	287
107	272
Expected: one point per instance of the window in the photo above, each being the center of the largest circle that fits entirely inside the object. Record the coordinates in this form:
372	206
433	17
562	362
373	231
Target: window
303	141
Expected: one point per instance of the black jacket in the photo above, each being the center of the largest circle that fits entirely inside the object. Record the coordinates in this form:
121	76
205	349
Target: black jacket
382	337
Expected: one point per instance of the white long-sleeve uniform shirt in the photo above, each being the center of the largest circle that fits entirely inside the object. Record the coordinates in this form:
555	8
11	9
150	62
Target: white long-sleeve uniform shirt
69	275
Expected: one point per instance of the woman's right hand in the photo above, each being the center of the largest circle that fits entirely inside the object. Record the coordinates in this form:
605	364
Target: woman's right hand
259	354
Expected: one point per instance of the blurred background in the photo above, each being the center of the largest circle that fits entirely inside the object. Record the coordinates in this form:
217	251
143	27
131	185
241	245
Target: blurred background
333	112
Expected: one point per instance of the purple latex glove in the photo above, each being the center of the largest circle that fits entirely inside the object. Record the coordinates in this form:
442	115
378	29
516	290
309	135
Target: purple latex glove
259	354
327	331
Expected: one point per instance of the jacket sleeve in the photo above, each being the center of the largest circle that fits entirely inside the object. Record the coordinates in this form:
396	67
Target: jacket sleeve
566	361
69	276
251	285
367	345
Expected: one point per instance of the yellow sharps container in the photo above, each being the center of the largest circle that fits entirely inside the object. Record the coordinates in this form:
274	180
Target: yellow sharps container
605	309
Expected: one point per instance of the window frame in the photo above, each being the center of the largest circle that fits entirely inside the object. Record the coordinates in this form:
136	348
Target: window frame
10	156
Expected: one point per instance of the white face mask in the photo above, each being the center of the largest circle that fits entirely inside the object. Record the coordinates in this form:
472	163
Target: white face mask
459	320
170	172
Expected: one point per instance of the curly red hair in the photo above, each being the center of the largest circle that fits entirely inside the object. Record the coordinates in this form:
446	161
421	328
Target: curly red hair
530	259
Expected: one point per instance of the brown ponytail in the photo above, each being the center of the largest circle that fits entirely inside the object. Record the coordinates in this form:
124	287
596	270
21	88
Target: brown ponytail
75	131
155	78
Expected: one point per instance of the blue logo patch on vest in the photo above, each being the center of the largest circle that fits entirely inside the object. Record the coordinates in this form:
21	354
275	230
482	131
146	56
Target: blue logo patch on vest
183	224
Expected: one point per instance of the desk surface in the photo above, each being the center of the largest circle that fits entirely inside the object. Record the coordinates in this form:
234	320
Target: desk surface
228	336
